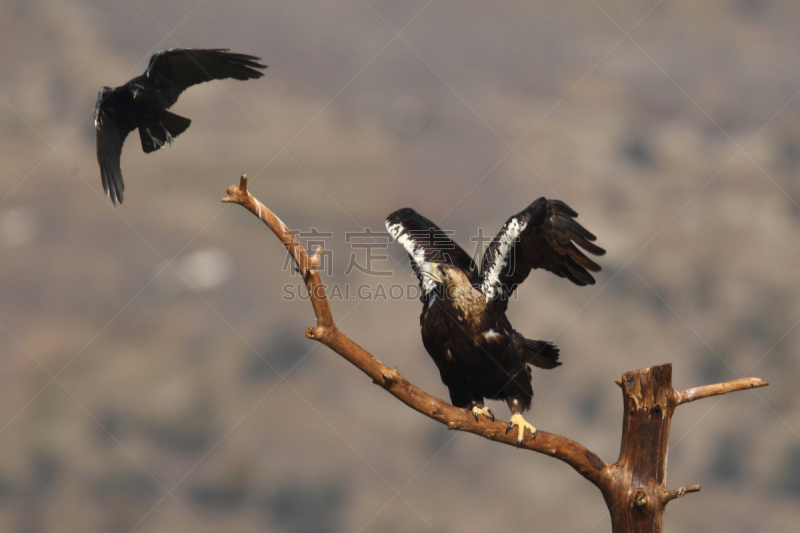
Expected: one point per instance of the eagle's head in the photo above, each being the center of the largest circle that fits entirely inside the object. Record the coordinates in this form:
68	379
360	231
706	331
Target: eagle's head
453	285
453	279
440	273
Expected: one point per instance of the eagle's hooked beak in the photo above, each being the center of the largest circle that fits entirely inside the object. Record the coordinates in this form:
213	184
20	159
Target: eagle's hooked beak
431	270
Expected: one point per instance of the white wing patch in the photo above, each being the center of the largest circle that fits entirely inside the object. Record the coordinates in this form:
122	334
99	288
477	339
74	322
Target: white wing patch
492	335
416	251
509	235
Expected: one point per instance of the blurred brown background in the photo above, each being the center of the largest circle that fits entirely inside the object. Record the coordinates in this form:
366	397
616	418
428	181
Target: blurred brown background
154	379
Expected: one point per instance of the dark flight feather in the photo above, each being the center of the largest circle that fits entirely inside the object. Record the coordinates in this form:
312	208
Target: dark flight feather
175	70
143	102
543	235
112	126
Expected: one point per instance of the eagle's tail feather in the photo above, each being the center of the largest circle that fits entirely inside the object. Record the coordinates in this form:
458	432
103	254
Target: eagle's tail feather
158	134
541	354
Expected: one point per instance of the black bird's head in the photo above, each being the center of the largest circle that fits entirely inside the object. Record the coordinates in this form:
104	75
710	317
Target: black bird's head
137	91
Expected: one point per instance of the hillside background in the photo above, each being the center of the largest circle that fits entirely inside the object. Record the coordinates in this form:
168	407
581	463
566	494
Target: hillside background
155	379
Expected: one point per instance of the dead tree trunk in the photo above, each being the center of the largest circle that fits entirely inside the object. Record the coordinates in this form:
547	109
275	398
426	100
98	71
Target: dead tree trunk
633	488
637	495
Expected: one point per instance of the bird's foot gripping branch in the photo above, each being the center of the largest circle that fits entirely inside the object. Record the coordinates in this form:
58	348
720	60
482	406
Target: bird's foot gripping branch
633	488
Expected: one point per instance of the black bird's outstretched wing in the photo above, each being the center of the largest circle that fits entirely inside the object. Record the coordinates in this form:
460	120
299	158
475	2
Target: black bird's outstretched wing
544	235
172	71
111	124
425	241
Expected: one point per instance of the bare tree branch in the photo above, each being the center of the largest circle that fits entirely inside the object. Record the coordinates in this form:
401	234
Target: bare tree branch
706	391
680	493
315	288
633	487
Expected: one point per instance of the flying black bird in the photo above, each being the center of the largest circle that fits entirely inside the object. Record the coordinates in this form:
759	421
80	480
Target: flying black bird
464	326
143	102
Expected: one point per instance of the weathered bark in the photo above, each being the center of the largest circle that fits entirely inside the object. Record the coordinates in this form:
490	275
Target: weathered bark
636	497
633	487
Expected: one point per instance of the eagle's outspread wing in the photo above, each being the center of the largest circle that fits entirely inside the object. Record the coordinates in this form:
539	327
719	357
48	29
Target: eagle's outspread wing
173	71
544	235
111	124
425	242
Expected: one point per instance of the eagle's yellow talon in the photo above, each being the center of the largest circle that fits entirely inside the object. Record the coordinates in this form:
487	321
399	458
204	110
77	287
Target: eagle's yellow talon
485	411
521	423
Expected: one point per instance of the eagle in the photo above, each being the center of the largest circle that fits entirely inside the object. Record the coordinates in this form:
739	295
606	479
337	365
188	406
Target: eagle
143	102
464	326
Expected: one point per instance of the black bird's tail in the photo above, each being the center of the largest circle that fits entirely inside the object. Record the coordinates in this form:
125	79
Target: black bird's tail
159	133
540	353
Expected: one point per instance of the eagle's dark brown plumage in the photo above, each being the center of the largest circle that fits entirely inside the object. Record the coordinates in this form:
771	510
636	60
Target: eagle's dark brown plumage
464	326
